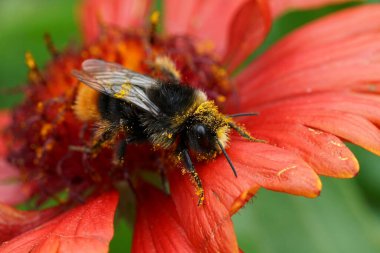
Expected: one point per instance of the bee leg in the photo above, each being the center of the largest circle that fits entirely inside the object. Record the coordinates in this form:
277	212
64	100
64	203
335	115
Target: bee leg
118	159
167	67
190	168
97	146
243	133
162	171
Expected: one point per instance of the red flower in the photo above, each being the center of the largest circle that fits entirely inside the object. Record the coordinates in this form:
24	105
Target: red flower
313	89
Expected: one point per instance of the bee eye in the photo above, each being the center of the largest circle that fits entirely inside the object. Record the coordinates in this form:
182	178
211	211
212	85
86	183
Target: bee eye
200	138
200	130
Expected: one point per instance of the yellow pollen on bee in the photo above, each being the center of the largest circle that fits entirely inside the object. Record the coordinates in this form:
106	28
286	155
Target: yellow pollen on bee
123	91
222	134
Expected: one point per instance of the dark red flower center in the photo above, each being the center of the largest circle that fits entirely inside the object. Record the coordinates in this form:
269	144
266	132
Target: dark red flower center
45	125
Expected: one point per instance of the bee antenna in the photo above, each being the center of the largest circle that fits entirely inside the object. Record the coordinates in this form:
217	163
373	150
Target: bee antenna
243	114
227	157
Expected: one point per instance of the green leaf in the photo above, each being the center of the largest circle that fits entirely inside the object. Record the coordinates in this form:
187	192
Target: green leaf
340	220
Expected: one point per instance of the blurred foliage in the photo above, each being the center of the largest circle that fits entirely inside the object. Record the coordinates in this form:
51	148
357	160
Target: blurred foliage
346	218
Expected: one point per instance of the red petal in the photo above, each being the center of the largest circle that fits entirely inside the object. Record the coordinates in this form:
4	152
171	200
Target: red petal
121	13
265	165
157	227
325	153
5	120
12	191
257	165
209	227
217	23
280	6
87	228
247	30
14	222
349	116
335	53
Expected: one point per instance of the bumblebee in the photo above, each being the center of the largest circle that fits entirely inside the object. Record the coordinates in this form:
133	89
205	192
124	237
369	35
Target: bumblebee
165	113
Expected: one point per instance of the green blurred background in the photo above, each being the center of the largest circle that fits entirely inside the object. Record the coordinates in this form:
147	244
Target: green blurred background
345	218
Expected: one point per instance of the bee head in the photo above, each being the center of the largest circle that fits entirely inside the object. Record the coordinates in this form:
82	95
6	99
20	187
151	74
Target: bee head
206	129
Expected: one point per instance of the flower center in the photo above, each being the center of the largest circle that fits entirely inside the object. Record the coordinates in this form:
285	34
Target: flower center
46	126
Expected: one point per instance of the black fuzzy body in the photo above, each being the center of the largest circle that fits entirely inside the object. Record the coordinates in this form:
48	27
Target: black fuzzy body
172	98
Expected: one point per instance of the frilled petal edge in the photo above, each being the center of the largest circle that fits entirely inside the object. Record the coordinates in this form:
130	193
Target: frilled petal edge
86	228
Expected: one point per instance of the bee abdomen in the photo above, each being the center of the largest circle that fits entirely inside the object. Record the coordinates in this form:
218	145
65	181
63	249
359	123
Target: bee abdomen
86	104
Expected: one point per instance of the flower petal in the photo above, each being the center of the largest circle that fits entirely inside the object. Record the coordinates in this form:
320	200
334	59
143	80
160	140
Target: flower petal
12	191
157	227
209	227
121	13
257	165
14	222
267	166
306	125
87	228
5	120
248	29
217	23
319	79
278	7
338	52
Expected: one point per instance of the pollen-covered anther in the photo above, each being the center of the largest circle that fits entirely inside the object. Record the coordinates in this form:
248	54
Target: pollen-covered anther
34	75
205	47
155	17
45	130
221	75
50	45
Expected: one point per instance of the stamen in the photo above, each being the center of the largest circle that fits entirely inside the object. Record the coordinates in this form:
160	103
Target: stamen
154	20
6	91
34	74
50	45
227	157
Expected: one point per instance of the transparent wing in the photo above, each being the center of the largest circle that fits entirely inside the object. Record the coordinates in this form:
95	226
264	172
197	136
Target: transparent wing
116	81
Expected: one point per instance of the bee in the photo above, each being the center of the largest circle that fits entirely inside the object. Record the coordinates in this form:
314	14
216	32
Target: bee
168	114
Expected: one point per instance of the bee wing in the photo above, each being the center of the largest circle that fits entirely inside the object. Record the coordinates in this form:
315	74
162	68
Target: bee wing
116	81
